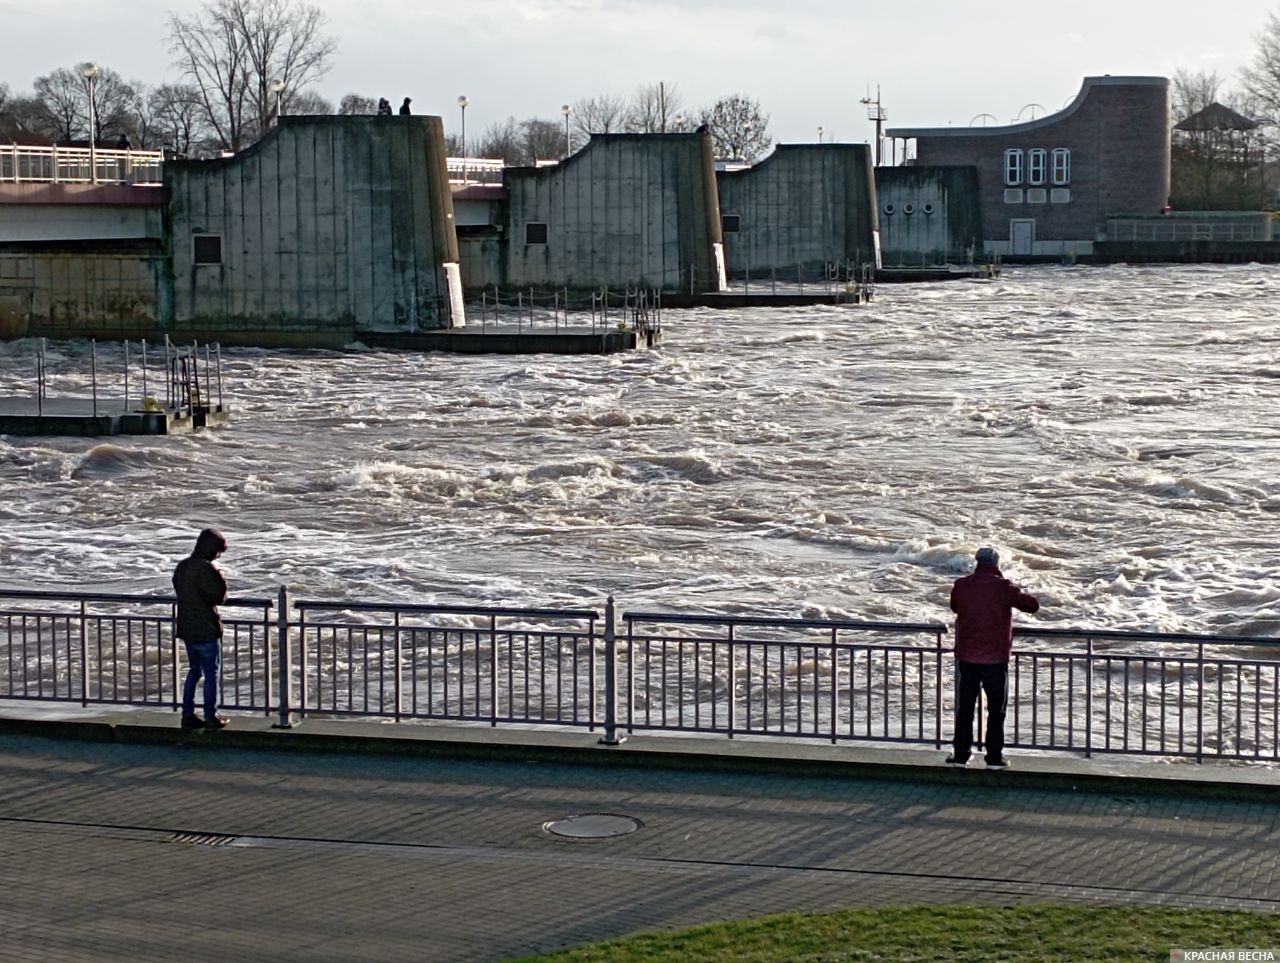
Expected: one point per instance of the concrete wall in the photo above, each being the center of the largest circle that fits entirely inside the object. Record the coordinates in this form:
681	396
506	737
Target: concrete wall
803	207
628	209
328	224
1117	130
78	293
50	222
928	215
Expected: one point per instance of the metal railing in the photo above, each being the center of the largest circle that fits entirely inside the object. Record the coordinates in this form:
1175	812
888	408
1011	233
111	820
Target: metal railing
121	649
1070	690
475	170
1145	693
447	662
76	165
785	677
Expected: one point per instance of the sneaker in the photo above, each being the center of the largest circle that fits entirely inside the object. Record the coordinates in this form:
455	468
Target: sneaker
192	722
954	760
216	722
995	765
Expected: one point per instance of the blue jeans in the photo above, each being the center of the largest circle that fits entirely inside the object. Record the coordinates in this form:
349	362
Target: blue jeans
203	658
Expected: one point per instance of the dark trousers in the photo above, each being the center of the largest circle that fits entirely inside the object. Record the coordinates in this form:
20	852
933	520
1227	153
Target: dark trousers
993	680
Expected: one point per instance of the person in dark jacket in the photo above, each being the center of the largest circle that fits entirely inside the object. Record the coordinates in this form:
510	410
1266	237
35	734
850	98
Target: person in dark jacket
201	588
984	604
384	107
404	108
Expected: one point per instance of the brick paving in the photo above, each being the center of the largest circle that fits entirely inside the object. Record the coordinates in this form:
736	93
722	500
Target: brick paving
323	856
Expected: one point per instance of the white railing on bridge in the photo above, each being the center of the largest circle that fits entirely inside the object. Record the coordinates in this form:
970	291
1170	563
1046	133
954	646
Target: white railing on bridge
20	164
475	170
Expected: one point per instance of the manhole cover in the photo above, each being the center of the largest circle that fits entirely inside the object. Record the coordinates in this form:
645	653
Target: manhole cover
592	826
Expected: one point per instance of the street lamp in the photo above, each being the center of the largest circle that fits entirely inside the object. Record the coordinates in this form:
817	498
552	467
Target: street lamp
746	141
819	135
679	122
462	106
566	110
277	87
89	71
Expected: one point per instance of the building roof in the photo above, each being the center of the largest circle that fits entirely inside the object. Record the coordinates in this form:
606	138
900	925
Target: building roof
1216	117
1042	122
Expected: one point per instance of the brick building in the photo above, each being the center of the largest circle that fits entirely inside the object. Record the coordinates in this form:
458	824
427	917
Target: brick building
1048	187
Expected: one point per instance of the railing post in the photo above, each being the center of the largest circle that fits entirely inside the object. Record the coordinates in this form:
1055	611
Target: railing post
732	686
284	660
610	737
400	670
93	371
1200	703
84	657
493	674
1088	699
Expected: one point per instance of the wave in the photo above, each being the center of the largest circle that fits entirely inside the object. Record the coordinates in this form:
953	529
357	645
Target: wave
107	460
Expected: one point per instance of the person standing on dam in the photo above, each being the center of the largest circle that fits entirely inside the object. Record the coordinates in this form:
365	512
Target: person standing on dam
984	602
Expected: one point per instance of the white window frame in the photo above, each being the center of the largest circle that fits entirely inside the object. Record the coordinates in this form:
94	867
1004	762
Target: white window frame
1037	159
1061	165
1013	167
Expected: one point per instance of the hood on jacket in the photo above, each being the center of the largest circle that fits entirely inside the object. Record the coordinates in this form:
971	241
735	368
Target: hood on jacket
209	544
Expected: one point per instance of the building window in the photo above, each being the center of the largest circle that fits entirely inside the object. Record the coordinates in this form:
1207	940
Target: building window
1013	195
1061	165
729	224
1013	167
1060	195
207	248
1035	165
1037	195
535	232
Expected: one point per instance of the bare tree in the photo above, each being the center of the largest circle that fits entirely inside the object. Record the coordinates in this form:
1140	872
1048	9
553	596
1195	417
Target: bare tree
653	109
505	140
1191	91
232	51
597	115
1262	77
64	93
543	140
357	104
23	120
308	102
739	130
178	116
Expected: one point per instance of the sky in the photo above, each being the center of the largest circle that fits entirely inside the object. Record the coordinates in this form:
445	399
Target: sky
807	62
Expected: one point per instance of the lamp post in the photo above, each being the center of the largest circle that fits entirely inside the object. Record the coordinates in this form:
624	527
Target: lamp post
462	106
568	146
819	135
277	87
746	141
89	71
680	122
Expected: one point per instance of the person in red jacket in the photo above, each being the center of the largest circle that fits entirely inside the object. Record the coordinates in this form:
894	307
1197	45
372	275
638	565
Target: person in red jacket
984	604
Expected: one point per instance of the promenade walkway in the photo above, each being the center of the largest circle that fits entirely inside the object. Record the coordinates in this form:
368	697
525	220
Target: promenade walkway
128	839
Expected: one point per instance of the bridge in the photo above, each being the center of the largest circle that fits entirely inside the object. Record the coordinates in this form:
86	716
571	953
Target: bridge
53	164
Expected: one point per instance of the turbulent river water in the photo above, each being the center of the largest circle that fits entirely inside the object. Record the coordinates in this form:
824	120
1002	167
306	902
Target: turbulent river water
1111	430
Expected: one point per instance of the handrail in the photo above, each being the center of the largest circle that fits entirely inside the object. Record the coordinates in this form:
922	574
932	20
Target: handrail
1123	635
935	627
320	606
35	163
112	597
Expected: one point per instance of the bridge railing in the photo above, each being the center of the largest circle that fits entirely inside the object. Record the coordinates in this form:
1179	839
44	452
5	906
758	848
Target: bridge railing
475	170
1070	690
76	165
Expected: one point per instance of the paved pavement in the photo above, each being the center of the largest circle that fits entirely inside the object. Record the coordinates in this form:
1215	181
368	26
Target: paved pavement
163	845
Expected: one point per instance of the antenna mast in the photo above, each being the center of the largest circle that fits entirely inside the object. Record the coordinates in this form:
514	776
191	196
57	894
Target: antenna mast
876	112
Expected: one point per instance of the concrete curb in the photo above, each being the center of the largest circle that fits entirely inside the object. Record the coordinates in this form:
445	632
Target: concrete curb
577	747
